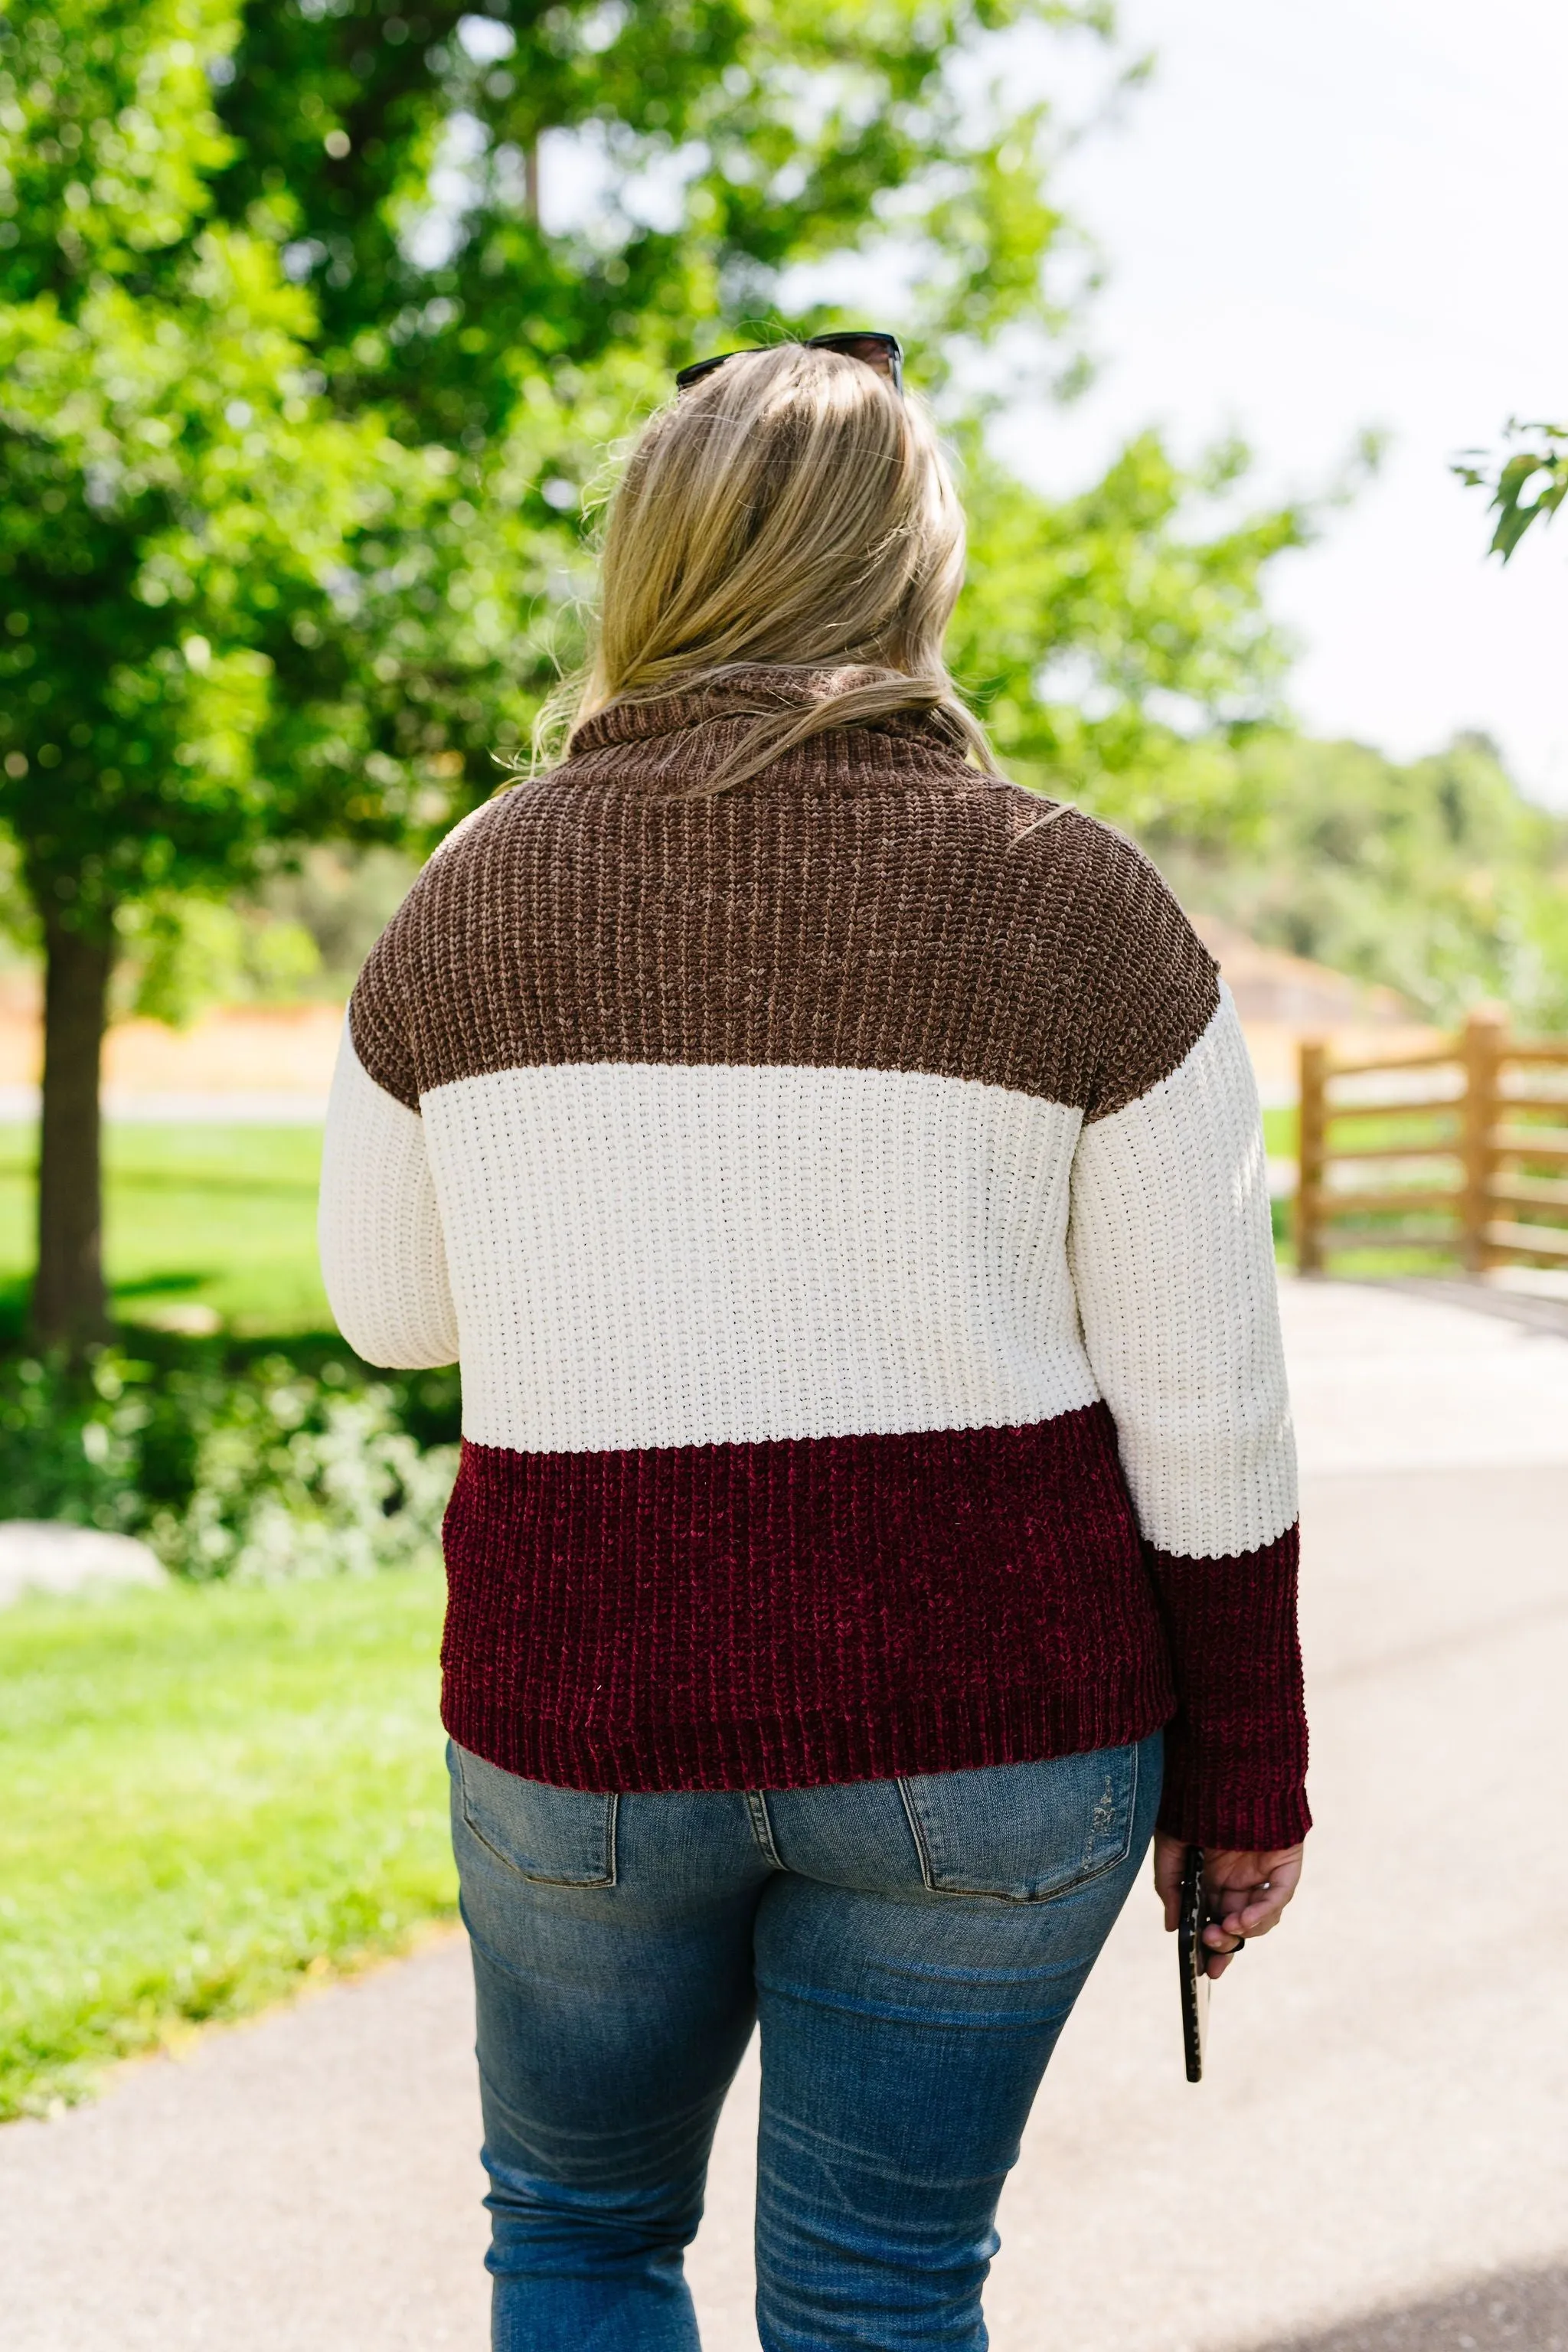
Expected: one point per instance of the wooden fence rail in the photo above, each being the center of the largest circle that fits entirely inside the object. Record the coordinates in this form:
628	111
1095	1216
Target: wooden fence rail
1462	1148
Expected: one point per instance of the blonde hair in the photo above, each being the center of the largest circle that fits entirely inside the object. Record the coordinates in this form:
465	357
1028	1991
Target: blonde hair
792	509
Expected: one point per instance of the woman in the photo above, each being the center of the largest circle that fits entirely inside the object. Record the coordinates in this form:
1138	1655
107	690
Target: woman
840	1176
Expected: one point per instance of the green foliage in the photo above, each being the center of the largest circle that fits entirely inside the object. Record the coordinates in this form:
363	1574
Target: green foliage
258	1473
182	953
50	1466
205	1798
302	935
1526	487
18	929
342	900
735	137
304	401
1436	878
1115	645
174	493
292	458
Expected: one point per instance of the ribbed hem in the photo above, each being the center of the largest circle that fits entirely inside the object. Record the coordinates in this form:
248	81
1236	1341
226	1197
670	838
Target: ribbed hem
1020	1727
1236	1754
800	1612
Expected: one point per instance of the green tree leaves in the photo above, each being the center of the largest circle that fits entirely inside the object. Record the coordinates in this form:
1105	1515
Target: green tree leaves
316	320
302	394
1436	878
1113	643
108	136
1527	488
176	496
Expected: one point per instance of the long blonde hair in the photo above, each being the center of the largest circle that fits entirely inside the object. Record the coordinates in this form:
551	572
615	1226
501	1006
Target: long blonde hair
792	509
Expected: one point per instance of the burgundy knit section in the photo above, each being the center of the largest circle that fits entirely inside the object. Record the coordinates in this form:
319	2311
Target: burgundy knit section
802	1610
1235	1755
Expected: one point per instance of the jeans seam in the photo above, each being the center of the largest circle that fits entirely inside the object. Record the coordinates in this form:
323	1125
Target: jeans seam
918	1833
762	1827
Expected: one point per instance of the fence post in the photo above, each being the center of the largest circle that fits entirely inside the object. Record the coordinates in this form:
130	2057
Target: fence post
1312	1139
1485	1035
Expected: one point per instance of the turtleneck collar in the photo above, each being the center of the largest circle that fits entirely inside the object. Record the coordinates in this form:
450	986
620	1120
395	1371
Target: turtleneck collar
676	738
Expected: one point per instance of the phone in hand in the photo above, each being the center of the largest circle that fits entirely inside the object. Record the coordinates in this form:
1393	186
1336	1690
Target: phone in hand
1191	1955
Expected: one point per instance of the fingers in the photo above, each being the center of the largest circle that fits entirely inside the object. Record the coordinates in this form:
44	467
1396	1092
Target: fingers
1256	1917
1235	1915
1222	1937
1170	1861
1247	1893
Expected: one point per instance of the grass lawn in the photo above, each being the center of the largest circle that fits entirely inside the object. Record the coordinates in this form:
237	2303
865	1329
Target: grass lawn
220	1217
207	1794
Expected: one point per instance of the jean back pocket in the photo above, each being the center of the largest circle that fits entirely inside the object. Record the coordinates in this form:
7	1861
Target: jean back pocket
1023	1832
561	1837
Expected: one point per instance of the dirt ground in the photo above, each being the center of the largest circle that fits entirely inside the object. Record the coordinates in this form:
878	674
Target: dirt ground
235	1049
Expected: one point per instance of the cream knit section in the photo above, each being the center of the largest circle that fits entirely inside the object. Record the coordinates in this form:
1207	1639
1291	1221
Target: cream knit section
668	1255
1173	1263
383	1255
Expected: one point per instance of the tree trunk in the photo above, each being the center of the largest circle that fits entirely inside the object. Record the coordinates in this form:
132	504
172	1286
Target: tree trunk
69	1308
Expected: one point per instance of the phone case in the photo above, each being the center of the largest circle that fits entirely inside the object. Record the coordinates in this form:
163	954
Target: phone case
1190	1958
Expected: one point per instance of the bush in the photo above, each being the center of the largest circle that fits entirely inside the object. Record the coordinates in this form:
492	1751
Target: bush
255	1470
65	1450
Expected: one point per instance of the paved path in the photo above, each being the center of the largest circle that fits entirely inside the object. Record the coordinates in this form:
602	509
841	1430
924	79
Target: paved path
1379	2158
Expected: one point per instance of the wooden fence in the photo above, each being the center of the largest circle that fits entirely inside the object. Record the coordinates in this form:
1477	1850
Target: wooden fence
1461	1150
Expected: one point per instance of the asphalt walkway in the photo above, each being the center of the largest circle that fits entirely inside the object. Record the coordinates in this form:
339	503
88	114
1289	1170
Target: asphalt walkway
1378	2158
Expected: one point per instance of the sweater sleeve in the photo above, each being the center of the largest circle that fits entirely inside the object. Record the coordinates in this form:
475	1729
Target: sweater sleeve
383	1255
1173	1262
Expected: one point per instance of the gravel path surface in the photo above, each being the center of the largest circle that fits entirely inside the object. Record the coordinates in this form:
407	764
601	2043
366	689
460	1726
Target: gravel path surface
1377	2162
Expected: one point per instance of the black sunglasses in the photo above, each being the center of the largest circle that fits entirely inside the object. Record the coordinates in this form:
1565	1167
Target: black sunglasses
885	353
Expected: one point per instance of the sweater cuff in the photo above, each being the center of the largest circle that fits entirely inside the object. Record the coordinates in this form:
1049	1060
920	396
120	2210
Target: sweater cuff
1235	1752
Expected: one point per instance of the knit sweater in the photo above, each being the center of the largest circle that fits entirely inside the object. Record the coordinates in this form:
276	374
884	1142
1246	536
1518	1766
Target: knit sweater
844	1196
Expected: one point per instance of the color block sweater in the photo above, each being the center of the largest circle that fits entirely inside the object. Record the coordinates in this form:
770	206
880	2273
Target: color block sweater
844	1196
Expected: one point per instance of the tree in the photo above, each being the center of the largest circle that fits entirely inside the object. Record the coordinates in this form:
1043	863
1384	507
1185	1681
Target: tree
171	486
1526	487
1117	649
1436	878
277	478
307	370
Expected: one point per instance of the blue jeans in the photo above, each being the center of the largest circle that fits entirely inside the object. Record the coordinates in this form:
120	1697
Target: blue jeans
911	1949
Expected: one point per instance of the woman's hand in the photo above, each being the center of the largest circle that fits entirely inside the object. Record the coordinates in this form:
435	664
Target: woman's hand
1247	1893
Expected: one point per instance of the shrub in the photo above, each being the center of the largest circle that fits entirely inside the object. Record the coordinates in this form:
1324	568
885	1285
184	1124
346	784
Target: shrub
68	1447
259	1470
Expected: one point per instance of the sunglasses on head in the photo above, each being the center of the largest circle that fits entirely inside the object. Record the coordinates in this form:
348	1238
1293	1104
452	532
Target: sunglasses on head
885	353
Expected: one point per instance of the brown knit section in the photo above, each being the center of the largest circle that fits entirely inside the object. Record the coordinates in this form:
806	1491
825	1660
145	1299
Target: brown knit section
868	901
